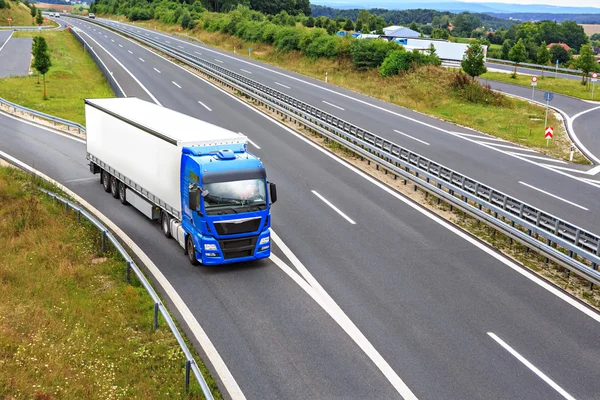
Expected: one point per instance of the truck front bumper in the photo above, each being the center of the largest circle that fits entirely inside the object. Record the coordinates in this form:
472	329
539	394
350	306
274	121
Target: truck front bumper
227	251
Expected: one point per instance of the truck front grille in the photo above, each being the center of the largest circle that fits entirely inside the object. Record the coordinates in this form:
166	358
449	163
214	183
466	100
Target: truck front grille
237	248
233	228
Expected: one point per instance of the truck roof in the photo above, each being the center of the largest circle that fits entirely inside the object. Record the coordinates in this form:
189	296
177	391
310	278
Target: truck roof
172	126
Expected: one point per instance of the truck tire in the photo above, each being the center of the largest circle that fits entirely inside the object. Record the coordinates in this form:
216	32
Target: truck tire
114	187
165	223
122	194
106	181
191	250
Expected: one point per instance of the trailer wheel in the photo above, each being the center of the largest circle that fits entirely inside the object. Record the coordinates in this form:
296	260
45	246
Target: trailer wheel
114	187
191	250
165	223
122	197
106	181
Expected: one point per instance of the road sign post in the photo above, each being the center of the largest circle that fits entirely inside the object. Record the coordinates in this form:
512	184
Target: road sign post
548	96
556	73
249	51
594	80
9	21
548	134
533	85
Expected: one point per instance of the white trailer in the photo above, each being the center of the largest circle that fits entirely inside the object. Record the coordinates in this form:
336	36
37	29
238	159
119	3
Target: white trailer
140	144
445	50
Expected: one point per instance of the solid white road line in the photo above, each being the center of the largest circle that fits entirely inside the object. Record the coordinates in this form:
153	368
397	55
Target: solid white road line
126	70
175	83
412	137
337	210
594	170
44	128
219	61
281	84
9	36
553	195
333	105
532	367
253	144
482	137
204	105
540	158
506	146
130	52
248	72
142	60
157	70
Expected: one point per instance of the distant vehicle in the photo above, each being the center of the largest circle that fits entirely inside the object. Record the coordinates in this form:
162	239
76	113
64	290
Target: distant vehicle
195	178
92	16
56	15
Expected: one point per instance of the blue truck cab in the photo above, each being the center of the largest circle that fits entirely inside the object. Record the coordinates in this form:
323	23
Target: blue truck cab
226	202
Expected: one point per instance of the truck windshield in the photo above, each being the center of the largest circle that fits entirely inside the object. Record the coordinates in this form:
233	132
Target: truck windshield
235	196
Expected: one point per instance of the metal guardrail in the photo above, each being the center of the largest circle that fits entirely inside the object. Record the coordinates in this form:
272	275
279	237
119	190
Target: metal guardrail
159	307
516	219
188	37
55	120
112	82
537	66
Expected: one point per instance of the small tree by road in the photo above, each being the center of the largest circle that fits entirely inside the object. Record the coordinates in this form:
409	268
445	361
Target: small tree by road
518	54
473	61
543	56
41	61
506	49
586	62
39	19
33	10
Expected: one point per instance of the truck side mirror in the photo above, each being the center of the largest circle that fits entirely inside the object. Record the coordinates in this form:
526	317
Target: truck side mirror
194	199
272	192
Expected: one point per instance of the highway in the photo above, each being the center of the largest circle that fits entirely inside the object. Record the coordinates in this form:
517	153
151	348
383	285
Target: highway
449	317
500	164
532	71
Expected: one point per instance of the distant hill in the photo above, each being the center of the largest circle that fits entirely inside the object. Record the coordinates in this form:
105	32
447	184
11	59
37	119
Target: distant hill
19	12
459	6
579	18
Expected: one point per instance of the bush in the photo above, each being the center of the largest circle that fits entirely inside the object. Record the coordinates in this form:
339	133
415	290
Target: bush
3	4
186	20
323	46
396	61
308	36
287	39
367	53
472	91
269	32
140	14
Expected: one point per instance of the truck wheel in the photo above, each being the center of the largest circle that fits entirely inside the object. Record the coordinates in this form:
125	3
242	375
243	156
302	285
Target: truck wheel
165	223
191	251
106	181
122	197
114	187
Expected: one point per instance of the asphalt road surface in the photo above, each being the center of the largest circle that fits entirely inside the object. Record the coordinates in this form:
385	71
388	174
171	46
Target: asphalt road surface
450	318
15	57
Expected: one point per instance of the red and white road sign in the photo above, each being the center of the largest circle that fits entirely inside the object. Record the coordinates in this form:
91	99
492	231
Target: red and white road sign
46	20
9	19
534	79
549	132
595	75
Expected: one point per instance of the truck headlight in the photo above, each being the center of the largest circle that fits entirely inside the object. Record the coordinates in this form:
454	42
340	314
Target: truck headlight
264	240
209	246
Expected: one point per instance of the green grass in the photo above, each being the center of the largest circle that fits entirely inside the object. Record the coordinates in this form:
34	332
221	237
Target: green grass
72	78
70	325
495	46
568	87
20	14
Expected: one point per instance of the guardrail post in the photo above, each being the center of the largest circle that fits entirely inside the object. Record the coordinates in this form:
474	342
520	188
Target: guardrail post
128	271
103	241
66	208
156	309
78	216
187	375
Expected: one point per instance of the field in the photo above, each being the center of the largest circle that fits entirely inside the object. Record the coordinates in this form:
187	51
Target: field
590	29
71	327
72	78
19	12
56	7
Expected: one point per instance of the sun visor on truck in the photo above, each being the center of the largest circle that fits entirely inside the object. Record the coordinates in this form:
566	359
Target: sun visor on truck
241	175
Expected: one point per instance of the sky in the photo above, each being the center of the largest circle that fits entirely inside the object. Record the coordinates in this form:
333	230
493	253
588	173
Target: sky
564	3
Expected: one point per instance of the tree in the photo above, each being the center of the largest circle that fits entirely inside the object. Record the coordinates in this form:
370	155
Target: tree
359	26
186	19
41	61
595	37
558	53
38	18
364	17
518	54
349	25
473	62
92	7
543	56
413	25
574	35
33	10
436	22
331	27
439	33
506	49
309	22
586	62
34	50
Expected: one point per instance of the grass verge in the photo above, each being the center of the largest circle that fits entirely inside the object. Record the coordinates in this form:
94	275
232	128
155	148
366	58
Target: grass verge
70	325
72	78
428	90
549	83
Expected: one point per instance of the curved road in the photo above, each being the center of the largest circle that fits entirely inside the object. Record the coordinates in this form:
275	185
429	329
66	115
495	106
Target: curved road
425	296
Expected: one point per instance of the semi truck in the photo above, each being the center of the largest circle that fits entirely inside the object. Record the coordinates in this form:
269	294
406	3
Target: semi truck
196	179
